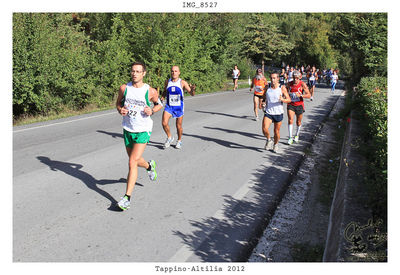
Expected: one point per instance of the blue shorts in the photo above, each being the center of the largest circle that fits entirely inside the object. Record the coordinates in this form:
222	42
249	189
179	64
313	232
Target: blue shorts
175	112
312	83
275	118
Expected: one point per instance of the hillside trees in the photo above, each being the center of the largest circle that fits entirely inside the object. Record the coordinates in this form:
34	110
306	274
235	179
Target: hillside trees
364	38
263	41
70	61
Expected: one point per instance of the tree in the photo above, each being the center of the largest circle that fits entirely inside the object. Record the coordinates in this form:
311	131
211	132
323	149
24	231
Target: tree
65	60
263	41
51	64
364	36
315	47
293	25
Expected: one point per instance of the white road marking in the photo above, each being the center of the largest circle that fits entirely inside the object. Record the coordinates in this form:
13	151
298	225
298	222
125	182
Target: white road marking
74	120
64	122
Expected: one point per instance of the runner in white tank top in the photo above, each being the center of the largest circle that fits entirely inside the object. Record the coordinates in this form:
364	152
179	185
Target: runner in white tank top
133	103
274	98
235	76
290	74
274	106
135	100
312	77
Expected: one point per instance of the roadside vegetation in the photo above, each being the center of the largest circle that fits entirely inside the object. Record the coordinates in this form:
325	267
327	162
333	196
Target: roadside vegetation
74	62
365	39
371	107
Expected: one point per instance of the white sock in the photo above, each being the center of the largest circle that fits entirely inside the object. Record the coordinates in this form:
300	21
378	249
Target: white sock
298	130
290	130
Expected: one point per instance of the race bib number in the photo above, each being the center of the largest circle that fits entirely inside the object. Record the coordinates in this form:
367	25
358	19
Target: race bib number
134	110
294	97
174	100
258	89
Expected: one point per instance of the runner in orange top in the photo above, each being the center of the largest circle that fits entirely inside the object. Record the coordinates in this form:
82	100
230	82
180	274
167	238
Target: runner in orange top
259	83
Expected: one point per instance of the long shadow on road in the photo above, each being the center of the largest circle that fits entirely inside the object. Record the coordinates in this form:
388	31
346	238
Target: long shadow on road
224	114
74	170
230	131
225	143
118	135
231	238
114	135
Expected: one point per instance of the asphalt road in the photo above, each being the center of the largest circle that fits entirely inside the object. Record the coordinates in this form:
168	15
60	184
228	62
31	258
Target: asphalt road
211	199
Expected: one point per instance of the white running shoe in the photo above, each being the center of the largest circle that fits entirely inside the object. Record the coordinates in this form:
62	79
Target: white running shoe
256	118
290	141
275	149
168	142
268	144
178	144
312	98
296	139
124	203
152	173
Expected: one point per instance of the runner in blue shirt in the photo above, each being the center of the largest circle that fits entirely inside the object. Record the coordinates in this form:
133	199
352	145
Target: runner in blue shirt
174	107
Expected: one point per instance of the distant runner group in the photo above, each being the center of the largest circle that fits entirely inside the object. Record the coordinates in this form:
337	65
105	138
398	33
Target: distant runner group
135	98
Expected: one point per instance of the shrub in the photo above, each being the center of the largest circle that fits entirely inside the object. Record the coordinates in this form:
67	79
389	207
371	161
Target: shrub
51	64
372	100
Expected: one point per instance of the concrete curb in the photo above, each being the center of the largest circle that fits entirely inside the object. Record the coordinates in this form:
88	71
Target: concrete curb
336	221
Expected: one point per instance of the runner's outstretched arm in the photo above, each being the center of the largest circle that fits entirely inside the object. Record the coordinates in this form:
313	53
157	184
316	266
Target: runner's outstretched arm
189	88
164	92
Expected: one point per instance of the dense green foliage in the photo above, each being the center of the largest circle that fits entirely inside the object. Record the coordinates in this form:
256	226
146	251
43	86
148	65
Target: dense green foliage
72	61
51	64
362	38
263	40
371	100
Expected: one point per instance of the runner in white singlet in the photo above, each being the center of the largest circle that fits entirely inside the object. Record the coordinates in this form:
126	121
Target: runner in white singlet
134	104
312	77
334	79
290	74
235	77
274	98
